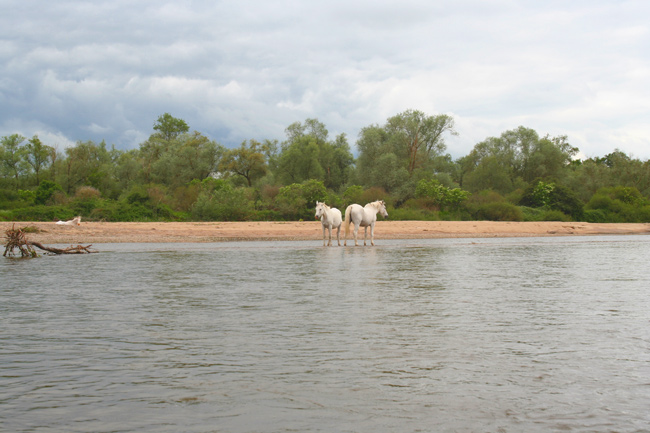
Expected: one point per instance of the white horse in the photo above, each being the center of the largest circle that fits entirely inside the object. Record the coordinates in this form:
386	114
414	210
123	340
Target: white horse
73	222
330	217
364	217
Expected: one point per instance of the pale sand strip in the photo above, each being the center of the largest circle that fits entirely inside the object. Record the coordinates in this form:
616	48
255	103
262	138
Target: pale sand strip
103	232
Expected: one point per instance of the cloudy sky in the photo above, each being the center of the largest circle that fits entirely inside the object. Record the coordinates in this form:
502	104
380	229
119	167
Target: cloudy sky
246	69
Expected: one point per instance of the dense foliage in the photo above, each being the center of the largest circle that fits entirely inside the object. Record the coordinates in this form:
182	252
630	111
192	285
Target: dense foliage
180	175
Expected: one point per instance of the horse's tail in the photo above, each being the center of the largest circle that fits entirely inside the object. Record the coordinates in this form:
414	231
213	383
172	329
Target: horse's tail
347	221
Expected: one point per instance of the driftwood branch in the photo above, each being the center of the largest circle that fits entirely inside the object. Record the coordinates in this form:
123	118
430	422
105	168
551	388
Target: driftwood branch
17	240
79	249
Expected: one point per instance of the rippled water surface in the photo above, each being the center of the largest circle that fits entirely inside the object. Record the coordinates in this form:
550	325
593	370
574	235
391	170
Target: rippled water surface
466	335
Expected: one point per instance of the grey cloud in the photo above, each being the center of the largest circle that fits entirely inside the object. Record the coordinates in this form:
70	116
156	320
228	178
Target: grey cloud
241	70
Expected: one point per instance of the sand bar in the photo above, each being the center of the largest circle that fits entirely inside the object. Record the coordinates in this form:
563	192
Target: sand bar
117	232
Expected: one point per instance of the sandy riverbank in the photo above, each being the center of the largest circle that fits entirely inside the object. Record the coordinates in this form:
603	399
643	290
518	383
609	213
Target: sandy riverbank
104	232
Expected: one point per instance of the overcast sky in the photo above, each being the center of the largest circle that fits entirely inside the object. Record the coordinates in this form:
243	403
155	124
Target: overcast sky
247	69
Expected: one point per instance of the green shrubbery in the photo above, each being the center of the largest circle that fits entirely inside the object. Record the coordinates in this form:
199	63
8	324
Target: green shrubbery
619	204
499	211
182	176
557	200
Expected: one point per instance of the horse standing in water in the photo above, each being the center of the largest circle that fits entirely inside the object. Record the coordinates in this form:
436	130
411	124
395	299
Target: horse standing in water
364	217
330	217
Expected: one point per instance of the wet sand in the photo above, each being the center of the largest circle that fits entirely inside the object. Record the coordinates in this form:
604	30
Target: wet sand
106	232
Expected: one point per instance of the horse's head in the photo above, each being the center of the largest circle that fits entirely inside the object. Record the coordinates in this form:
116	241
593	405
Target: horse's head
382	208
320	208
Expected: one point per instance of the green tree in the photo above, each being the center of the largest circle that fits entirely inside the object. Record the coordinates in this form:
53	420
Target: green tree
489	173
169	127
186	157
373	144
128	169
418	136
299	161
614	169
87	163
307	154
311	127
515	158
12	157
409	147
440	195
37	156
247	161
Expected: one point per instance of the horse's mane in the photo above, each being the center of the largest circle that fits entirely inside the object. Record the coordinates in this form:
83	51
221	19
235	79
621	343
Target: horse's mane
376	203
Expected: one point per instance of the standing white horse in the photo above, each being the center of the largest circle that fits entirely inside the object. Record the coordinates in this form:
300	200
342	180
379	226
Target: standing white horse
364	217
330	217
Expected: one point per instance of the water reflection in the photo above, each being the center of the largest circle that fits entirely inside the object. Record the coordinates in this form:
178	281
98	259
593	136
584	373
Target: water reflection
447	335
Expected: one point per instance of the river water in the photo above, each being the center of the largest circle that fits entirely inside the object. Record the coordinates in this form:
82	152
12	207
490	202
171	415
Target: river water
444	335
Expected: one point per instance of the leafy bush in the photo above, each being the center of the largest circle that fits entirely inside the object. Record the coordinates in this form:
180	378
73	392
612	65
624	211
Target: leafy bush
137	195
87	193
297	201
45	191
222	202
440	195
42	213
550	196
412	214
499	211
266	215
374	194
554	215
595	216
532	213
353	194
619	204
27	195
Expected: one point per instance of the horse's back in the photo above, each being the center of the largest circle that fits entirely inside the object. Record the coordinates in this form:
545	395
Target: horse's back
337	218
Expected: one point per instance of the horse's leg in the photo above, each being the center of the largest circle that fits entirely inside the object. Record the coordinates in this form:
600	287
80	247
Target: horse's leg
324	236
329	228
338	235
372	234
356	233
365	235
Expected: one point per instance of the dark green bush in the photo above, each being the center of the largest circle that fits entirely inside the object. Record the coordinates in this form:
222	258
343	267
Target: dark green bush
225	204
266	215
45	191
499	211
532	213
595	216
620	204
42	213
550	196
554	215
411	214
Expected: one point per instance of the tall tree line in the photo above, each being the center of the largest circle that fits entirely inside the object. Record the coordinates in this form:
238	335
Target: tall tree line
181	174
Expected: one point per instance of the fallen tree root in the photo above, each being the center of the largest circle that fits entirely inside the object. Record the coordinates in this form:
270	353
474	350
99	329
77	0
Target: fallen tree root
79	249
16	239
